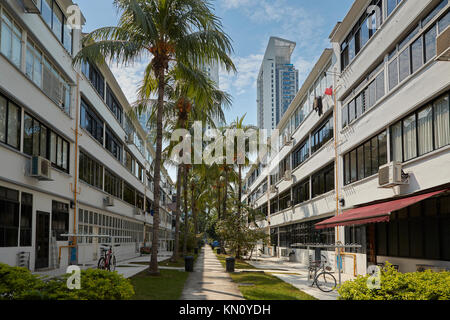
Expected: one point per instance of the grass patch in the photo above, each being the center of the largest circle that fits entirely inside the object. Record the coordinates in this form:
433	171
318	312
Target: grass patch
167	263
238	264
167	286
267	287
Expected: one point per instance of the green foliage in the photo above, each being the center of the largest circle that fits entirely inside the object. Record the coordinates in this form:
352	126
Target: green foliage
20	284
427	285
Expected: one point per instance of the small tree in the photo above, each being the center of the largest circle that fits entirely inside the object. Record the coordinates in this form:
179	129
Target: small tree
238	234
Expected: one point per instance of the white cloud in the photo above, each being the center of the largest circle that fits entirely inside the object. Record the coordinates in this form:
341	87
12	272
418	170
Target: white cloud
129	77
248	68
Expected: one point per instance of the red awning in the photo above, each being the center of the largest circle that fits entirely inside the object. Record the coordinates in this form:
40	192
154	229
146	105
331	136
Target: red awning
374	213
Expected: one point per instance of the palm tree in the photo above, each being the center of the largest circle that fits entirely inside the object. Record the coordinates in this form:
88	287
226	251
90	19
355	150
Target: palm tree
168	32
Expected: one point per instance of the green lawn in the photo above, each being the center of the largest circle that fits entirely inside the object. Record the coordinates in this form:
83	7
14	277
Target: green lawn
238	264
168	286
263	286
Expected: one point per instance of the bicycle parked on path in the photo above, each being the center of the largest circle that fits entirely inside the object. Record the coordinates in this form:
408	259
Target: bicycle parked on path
321	275
108	260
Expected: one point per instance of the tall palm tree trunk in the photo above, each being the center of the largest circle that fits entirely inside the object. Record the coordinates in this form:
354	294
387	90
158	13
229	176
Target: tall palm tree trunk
176	249
238	253
157	178
194	210
186	225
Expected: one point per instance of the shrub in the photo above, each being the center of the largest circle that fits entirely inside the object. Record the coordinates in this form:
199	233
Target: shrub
20	284
427	285
95	285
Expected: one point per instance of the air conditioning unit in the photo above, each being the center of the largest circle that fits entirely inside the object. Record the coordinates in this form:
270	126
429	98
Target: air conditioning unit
138	212
392	175
288	175
443	45
287	140
40	168
31	6
108	201
129	138
273	189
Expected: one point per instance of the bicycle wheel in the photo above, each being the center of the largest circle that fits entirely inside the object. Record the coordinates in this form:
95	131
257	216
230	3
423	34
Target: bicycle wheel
101	263
326	282
112	263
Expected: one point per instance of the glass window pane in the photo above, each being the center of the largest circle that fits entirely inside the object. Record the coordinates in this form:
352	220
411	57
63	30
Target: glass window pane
353	172
416	55
351	111
367	160
425	130
6	36
65	154
380	85
359	105
409	137
59	152
372	97
360	155
53	147
442	122
28	135
393	74
374	156
57	21
13	125
46	11
382	148
3	106
396	142
43	142
404	64
444	22
430	44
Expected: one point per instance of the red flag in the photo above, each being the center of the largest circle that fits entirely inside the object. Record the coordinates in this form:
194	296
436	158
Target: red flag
329	91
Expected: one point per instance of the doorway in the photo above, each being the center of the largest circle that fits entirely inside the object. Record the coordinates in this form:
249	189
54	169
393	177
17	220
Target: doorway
42	239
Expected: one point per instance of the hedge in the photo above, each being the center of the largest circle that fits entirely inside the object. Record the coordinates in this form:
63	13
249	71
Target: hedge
427	285
20	284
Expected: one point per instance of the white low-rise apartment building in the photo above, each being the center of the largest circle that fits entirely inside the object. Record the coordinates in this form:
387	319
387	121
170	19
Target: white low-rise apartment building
391	79
71	160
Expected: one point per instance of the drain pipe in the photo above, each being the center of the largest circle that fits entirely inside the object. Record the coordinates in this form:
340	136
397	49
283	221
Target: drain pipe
75	175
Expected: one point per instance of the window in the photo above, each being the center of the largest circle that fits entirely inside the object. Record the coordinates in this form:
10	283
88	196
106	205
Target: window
300	155
419	231
414	136
380	85
34	64
11	39
26	219
283	202
10	118
322	135
404	65
391	5
55	19
60	220
113	105
129	194
364	29
444	22
434	12
91	171
323	181
130	163
416	55
113	144
9	217
409	138
301	192
393	74
113	184
345	116
430	43
95	77
38	140
91	122
364	161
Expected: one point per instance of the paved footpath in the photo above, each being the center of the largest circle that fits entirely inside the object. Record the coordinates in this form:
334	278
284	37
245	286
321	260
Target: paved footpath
209	281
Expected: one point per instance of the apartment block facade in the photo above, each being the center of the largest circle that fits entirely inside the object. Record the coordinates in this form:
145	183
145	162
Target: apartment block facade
277	83
390	130
74	118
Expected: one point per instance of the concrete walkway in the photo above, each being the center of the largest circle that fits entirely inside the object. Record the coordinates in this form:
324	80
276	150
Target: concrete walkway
209	281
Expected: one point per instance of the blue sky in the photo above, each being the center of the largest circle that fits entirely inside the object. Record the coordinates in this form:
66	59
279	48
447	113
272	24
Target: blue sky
249	23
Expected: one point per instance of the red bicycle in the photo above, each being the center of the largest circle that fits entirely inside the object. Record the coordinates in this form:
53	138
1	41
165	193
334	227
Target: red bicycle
108	260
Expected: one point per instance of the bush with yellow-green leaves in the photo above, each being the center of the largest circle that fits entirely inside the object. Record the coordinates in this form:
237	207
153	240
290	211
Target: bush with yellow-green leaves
427	285
20	284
